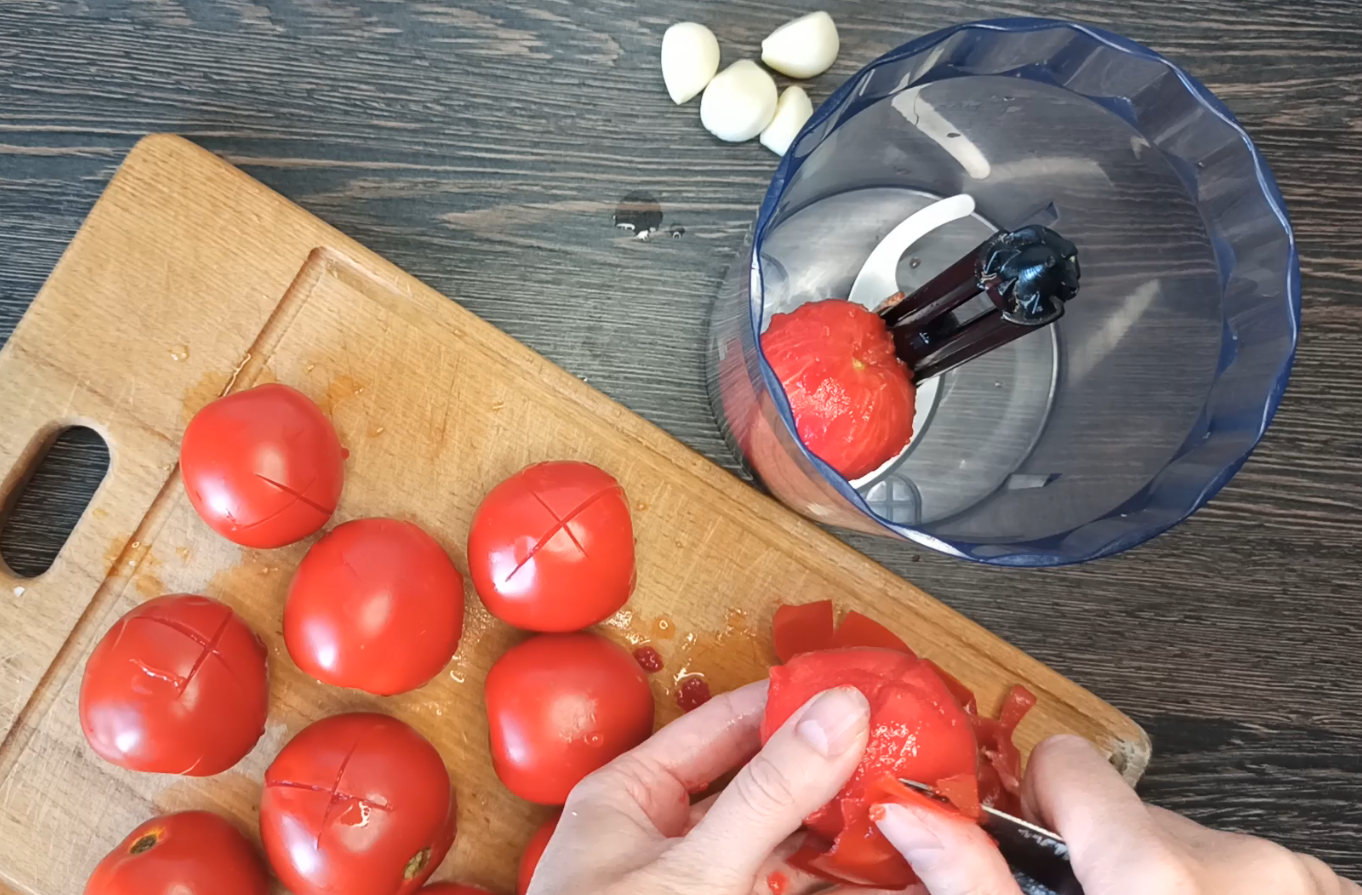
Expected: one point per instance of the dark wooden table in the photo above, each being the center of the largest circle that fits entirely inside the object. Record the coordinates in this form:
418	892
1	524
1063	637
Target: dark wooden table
484	147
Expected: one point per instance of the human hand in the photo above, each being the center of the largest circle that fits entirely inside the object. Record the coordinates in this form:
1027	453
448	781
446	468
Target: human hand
630	828
1118	845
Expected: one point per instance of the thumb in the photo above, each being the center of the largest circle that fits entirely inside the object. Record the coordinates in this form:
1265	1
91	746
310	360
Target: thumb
804	764
951	855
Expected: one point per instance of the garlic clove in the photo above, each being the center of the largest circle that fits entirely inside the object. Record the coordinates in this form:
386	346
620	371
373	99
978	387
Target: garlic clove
804	47
792	111
690	57
739	102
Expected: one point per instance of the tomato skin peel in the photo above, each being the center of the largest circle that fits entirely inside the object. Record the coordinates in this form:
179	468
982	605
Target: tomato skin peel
924	726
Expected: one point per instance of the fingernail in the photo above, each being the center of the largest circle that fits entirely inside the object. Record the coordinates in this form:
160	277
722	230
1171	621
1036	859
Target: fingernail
905	829
833	723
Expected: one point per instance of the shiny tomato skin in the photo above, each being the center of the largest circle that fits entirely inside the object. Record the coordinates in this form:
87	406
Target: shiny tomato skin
559	706
263	467
375	605
551	549
357	804
802	628
851	397
178	685
190	853
529	859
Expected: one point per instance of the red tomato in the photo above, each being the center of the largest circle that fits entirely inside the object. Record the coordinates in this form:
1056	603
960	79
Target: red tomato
552	548
918	730
375	605
533	852
452	889
559	706
191	853
357	804
851	397
176	686
263	467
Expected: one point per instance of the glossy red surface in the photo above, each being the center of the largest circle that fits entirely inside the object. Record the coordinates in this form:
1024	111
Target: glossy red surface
263	467
692	693
559	706
552	548
649	659
357	804
376	605
190	853
176	686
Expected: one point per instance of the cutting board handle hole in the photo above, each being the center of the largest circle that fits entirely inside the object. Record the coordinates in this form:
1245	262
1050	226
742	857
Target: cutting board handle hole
50	499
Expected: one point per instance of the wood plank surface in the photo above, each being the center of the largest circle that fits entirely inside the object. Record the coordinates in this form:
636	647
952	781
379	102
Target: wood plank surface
483	147
189	281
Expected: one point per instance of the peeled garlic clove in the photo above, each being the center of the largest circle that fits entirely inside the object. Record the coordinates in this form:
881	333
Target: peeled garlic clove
793	109
690	57
739	102
803	48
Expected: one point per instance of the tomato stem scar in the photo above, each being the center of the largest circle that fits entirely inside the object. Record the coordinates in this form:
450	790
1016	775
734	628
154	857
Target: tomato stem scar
417	863
144	842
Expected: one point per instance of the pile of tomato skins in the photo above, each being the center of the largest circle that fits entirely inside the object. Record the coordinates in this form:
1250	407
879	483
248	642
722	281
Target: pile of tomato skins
362	804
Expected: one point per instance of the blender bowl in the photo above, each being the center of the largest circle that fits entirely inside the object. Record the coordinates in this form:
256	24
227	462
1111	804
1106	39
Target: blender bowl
1089	436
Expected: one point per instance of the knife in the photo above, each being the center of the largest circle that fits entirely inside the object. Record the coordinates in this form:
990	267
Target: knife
1038	858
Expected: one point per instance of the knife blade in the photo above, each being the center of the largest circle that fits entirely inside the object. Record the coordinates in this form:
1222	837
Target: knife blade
1038	858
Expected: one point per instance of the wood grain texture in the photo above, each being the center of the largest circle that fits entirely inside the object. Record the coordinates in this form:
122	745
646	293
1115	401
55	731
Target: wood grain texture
483	146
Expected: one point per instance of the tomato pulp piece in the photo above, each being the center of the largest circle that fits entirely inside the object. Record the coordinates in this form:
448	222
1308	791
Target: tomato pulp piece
193	852
452	889
917	729
860	630
851	397
802	629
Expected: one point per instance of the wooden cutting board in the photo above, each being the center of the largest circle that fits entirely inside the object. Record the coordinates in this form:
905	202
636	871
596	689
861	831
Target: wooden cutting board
190	280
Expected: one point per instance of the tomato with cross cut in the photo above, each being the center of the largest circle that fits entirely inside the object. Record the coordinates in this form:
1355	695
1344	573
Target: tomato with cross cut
357	804
552	548
375	605
263	467
176	686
